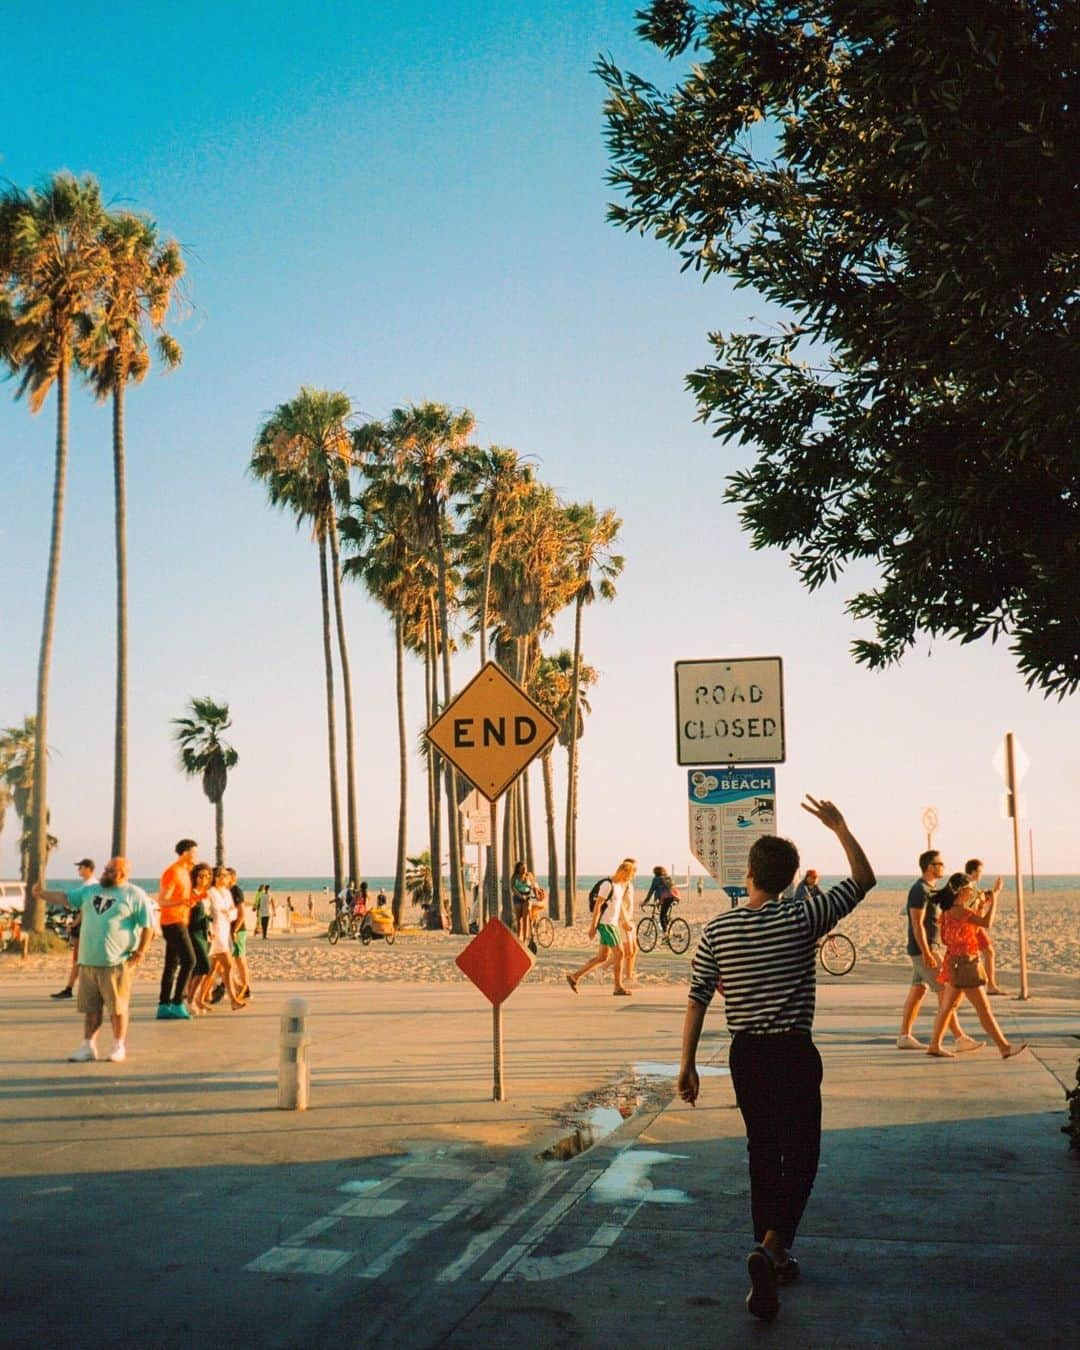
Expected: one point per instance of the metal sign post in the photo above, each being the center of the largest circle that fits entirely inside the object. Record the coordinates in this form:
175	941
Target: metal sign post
1014	812
930	824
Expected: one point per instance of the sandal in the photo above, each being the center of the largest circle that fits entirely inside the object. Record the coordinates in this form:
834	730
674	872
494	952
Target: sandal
572	983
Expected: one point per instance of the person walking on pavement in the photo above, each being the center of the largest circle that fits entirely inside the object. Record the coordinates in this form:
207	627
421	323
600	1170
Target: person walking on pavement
924	950
117	928
174	900
85	869
604	924
808	888
986	902
761	957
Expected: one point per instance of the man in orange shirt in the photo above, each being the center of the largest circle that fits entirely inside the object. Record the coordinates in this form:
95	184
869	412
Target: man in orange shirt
174	899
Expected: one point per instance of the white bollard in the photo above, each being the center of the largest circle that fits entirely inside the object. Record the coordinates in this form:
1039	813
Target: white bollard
293	1076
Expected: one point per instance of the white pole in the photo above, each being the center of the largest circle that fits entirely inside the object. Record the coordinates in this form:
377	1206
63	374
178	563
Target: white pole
293	1075
1014	811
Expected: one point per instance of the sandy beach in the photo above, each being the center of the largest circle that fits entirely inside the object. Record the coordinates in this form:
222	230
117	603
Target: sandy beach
877	928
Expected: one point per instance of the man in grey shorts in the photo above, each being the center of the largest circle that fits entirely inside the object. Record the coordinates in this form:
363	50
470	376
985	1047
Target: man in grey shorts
922	944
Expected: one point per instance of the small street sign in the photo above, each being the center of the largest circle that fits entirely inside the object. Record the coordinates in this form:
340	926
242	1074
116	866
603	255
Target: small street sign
478	828
930	819
730	712
492	731
495	961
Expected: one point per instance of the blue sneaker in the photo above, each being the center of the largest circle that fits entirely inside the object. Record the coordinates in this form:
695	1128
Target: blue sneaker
164	1012
180	1013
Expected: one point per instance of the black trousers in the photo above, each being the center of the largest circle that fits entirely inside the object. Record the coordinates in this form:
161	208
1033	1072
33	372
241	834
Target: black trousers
264	923
179	962
777	1081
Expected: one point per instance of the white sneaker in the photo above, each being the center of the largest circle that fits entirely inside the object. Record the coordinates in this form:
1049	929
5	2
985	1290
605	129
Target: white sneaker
119	1053
84	1054
909	1043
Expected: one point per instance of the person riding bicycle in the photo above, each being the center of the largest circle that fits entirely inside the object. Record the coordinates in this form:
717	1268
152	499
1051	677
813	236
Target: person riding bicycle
662	888
360	901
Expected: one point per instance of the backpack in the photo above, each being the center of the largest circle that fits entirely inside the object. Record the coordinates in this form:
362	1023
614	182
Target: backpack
595	898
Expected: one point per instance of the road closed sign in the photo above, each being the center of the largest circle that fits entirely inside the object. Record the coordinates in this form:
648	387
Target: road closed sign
730	712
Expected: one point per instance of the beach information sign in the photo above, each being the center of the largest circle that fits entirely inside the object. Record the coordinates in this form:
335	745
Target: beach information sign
729	809
730	712
491	731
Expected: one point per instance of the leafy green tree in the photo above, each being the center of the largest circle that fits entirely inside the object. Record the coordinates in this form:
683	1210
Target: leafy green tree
52	263
304	454
137	290
206	756
900	180
18	749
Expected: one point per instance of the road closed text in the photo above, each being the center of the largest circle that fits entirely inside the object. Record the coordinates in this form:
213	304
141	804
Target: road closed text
729	728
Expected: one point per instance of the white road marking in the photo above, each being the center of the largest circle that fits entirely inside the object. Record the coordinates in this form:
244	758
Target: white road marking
312	1230
482	1242
542	1226
299	1261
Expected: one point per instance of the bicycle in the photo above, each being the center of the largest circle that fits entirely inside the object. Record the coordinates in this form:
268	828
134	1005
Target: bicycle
543	930
676	934
836	952
343	925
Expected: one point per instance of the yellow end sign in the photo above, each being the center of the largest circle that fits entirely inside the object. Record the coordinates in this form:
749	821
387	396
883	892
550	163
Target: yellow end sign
491	731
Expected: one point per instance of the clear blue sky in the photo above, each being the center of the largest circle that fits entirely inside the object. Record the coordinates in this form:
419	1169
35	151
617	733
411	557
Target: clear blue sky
407	202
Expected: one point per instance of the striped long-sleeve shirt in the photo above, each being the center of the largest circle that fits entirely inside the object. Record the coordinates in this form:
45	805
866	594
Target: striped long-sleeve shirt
763	959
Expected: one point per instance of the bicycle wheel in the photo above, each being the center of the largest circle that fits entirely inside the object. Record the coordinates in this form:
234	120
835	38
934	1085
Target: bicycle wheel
646	934
678	936
389	937
837	954
365	934
543	931
333	932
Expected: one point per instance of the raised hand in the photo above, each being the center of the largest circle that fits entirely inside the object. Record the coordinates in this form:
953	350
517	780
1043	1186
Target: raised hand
825	811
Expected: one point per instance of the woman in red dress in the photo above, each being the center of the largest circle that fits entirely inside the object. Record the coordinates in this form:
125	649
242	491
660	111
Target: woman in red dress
960	928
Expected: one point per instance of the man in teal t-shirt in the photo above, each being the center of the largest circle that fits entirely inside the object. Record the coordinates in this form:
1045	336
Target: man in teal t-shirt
117	927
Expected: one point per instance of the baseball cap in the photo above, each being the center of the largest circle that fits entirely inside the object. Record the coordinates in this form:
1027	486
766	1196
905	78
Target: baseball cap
85	862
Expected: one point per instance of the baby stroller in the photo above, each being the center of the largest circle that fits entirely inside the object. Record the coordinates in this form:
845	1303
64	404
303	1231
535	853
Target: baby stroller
377	923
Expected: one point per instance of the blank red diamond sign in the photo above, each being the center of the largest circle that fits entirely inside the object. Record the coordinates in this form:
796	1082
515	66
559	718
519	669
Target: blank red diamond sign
495	961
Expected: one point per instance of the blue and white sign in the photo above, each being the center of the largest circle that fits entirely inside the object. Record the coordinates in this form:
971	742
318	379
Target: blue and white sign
729	809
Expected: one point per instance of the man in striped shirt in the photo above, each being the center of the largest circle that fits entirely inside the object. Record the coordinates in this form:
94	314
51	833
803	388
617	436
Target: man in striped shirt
761	957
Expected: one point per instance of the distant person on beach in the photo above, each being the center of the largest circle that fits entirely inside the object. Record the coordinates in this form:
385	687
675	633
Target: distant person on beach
202	875
808	888
662	888
310	906
924	950
761	956
962	973
85	869
984	902
117	928
521	894
262	908
174	902
604	924
700	886
239	936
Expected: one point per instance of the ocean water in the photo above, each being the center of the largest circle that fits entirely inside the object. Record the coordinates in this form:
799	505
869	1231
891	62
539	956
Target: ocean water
284	886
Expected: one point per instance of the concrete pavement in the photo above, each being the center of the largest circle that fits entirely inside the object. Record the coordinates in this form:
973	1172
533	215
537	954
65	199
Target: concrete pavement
168	1198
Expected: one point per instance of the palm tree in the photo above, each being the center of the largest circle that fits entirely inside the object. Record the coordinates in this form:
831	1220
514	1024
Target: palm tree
595	567
381	535
52	262
418	879
425	444
203	754
17	751
304	453
138	288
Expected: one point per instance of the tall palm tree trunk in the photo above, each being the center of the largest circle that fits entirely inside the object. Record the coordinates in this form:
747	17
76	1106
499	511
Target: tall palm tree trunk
120	748
491	879
331	723
549	816
34	913
508	850
434	765
403	773
571	776
346	684
485	601
459	918
219	832
526	820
